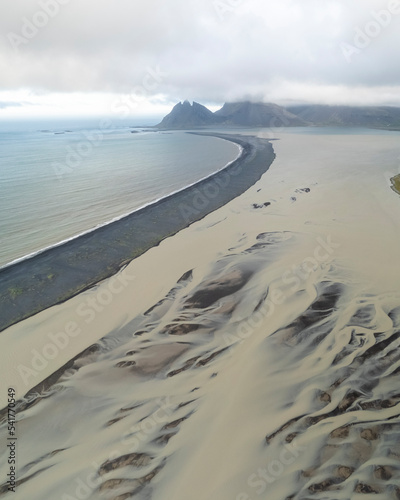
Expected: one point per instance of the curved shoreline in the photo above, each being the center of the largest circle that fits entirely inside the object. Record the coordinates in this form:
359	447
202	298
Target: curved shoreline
58	273
115	219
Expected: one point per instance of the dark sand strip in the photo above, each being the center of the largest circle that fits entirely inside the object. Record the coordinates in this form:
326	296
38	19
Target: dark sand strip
58	274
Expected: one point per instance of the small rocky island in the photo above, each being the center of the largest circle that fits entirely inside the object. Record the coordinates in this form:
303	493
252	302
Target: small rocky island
396	183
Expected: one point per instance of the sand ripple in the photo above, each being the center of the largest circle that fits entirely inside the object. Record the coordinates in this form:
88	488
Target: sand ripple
319	372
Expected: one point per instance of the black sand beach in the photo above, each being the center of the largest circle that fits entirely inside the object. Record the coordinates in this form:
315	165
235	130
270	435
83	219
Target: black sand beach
57	274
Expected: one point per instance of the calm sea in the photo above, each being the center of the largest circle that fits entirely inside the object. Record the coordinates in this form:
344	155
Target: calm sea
58	180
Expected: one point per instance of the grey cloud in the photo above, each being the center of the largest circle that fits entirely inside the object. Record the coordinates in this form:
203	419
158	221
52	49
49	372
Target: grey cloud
209	52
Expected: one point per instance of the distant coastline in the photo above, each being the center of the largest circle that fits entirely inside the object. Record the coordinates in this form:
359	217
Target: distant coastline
59	273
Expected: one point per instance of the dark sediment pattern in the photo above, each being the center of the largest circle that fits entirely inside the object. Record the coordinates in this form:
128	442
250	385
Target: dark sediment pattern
143	394
59	273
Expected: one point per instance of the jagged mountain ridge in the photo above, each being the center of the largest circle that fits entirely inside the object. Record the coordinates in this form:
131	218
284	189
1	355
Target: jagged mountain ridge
255	114
184	115
241	114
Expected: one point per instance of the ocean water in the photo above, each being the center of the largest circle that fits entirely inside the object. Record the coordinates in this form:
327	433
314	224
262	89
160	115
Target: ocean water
58	180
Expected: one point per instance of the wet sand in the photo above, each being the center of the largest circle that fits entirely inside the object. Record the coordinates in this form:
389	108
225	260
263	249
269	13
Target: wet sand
253	355
59	273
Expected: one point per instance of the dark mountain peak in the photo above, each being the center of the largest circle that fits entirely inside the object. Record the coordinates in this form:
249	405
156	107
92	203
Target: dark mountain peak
186	115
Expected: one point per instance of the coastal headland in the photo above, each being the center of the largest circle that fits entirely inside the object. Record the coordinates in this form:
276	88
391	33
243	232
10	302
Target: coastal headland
59	273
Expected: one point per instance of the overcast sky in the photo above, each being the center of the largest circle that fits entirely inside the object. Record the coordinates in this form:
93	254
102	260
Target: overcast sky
141	56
